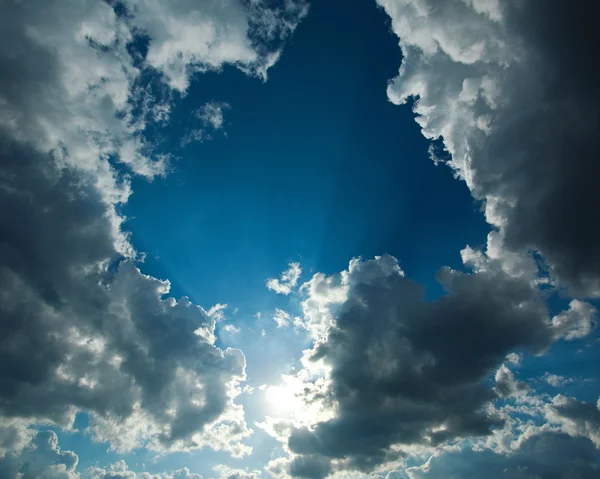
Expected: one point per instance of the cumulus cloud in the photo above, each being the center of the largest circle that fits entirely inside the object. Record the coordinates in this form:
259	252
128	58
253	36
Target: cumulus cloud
42	458
120	470
508	86
83	328
556	380
400	371
230	328
577	322
226	472
507	385
188	37
578	418
287	281
546	455
282	318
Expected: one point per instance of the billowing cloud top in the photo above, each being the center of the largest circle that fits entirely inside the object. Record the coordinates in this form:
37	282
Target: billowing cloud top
509	87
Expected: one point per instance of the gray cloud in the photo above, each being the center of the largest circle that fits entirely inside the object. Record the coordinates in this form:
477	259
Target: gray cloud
310	467
578	418
408	371
287	280
83	329
509	86
41	459
545	456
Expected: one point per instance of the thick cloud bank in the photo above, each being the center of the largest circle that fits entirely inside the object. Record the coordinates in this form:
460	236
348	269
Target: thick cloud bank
83	330
402	372
511	87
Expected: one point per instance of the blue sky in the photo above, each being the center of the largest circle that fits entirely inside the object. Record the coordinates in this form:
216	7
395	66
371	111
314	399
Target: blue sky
230	253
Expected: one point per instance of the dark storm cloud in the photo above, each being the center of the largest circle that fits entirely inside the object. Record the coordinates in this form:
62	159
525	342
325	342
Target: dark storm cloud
408	371
512	88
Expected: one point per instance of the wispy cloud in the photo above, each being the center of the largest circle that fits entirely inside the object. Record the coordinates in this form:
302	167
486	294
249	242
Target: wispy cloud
287	281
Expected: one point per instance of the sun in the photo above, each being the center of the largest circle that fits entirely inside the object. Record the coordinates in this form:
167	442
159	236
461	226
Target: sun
282	400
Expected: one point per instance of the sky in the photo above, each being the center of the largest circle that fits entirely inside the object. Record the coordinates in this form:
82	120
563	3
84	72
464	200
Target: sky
277	239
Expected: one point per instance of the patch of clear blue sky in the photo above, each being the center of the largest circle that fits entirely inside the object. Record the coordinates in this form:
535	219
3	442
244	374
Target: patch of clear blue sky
316	166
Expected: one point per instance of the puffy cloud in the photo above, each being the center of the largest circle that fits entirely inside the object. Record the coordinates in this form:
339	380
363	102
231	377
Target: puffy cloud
14	435
120	470
230	328
321	294
187	36
556	380
514	358
281	318
507	385
287	281
277	468
400	371
217	312
85	331
226	472
577	418
577	322
548	455
508	86
83	328
41	459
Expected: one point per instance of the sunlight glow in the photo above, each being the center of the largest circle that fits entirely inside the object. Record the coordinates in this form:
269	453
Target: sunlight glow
283	400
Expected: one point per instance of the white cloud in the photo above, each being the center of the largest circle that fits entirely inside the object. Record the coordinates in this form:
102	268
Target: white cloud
83	328
189	37
282	318
217	312
212	117
227	472
231	329
514	358
575	323
287	281
423	363
555	380
507	385
507	85
41	458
